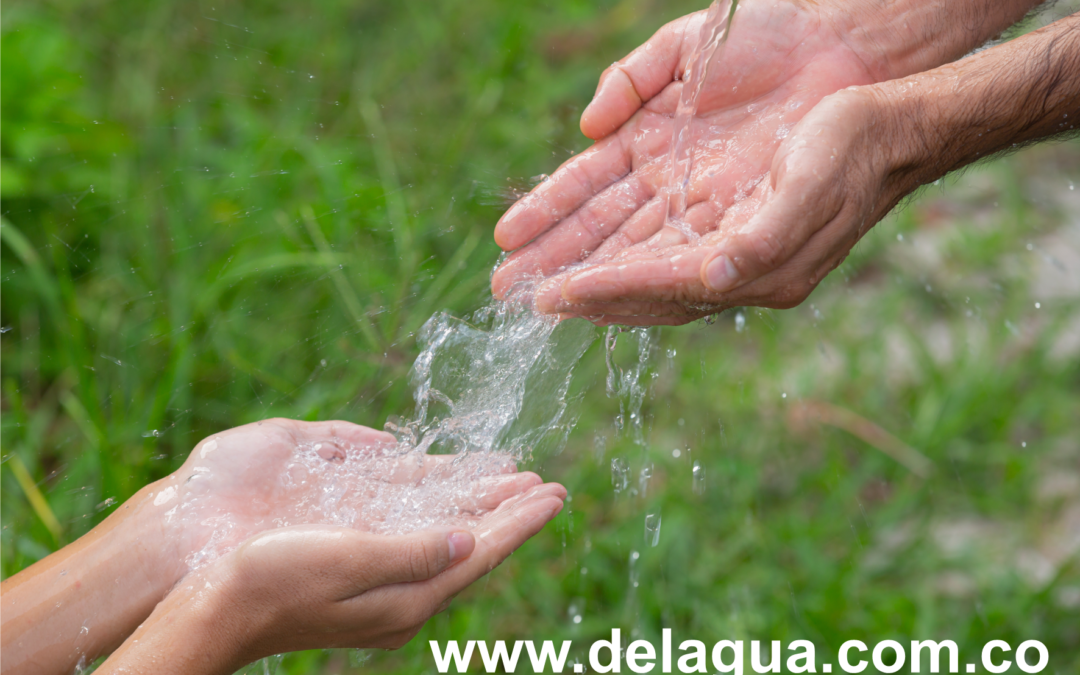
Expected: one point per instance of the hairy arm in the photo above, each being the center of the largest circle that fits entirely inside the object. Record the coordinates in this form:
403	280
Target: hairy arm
1016	93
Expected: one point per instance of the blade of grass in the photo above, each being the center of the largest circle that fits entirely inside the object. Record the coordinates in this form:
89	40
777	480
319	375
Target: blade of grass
395	204
44	283
36	499
865	430
453	268
348	294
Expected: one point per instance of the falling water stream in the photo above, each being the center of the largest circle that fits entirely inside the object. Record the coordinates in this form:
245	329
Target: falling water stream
713	36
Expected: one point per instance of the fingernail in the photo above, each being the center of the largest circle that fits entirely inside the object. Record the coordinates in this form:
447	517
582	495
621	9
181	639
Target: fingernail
720	274
461	545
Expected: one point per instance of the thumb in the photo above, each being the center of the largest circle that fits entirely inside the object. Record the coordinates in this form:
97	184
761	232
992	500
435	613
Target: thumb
774	226
628	84
415	557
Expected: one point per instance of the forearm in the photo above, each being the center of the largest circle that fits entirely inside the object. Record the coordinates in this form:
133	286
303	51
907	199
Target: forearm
901	37
194	631
1015	93
83	600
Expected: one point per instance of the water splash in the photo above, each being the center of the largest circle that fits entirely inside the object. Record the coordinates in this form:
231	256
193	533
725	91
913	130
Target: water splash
496	381
713	36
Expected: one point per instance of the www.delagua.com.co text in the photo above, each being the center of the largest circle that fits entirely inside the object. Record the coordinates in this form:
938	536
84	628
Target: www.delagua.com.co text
736	656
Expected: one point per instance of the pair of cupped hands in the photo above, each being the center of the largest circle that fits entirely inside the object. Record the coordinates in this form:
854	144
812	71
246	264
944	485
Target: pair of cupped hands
282	580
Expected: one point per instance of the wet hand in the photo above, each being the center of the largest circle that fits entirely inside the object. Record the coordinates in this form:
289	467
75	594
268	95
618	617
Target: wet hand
311	587
780	60
282	472
830	181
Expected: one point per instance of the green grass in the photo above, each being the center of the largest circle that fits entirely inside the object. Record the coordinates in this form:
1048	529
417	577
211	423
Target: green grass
215	214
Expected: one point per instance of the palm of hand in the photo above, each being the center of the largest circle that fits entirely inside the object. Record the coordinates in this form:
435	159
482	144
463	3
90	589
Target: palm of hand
279	473
609	201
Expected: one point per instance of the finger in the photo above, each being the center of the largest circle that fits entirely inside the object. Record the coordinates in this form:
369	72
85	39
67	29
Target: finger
347	431
791	283
510	526
627	84
699	219
413	557
672	320
551	301
577	180
500	533
672	275
634	237
645	223
775	225
576	236
490	492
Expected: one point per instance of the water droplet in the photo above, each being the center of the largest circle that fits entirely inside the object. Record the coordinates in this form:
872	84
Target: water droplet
575	611
740	321
153	433
783	395
634	572
676	453
899	237
620	474
652	528
644	477
699	479
1038	305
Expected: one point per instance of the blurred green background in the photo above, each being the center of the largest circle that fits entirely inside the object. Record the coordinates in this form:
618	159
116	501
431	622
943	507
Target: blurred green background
216	212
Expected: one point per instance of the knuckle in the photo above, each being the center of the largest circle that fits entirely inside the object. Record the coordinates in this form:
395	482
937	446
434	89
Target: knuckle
418	560
768	248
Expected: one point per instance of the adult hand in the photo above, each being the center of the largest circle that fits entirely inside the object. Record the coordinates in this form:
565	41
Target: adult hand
606	205
830	181
780	59
315	587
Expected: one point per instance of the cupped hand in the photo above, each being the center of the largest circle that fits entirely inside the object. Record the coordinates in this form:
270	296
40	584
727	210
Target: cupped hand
782	58
831	180
278	473
306	587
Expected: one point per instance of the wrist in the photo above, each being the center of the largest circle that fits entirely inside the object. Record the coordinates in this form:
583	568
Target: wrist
154	535
900	38
199	628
